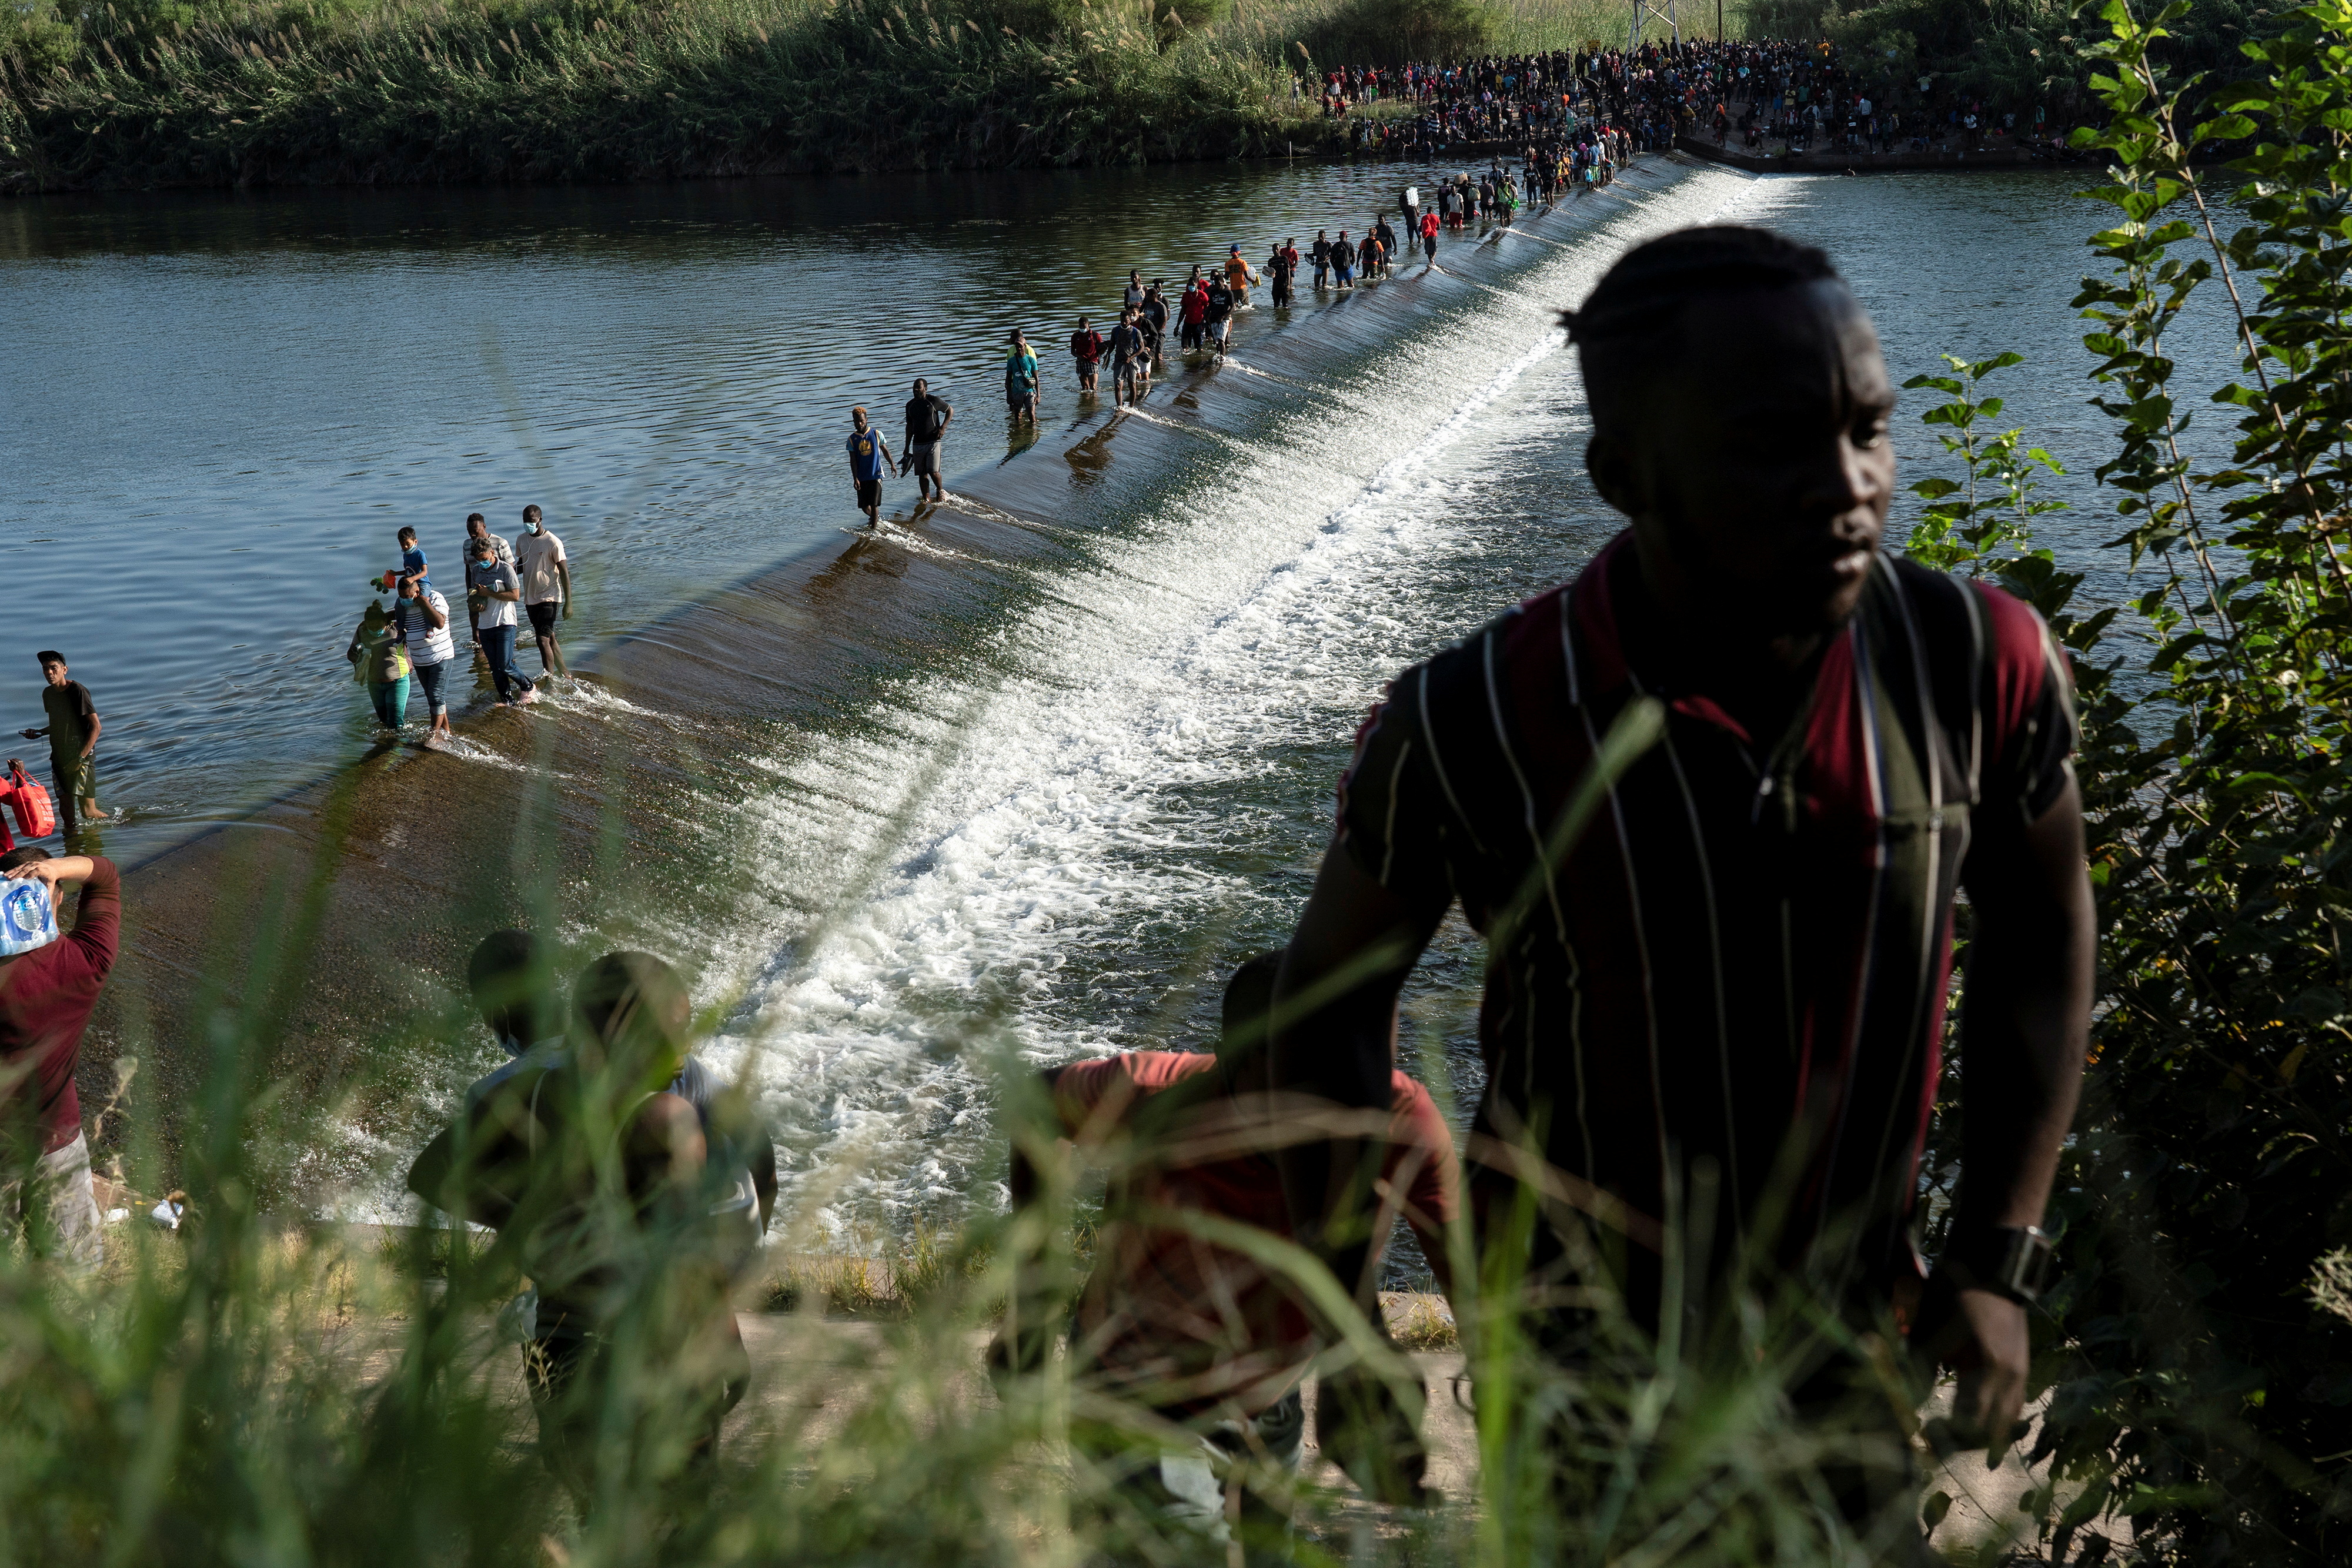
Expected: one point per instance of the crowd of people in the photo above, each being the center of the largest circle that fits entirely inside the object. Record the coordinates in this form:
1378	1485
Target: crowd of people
1773	95
411	643
1732	981
1203	306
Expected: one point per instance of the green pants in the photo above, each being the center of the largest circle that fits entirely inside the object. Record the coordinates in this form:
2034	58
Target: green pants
74	779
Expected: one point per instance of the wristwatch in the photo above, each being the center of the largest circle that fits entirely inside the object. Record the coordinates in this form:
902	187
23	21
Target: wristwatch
2010	1260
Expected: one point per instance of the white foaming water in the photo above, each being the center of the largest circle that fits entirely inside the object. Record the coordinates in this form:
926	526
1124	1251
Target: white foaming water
936	867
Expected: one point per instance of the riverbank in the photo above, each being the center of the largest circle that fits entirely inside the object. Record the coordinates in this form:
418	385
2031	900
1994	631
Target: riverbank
424	92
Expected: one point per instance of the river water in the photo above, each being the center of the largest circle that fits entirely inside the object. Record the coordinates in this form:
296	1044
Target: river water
1051	835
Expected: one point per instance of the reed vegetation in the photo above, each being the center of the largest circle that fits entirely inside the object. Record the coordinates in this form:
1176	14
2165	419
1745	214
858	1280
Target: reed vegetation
154	93
240	1392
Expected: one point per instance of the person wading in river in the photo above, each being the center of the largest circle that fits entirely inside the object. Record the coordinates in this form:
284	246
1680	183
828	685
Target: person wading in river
868	453
1086	348
1734	980
927	427
546	575
72	732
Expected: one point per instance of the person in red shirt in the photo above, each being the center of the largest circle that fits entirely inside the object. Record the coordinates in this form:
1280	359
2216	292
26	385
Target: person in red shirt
46	997
1203	1334
1193	311
1429	235
1086	348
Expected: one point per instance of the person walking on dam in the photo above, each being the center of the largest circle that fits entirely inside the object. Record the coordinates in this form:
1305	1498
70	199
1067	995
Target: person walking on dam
422	618
868	453
1790	750
546	574
1087	350
1021	380
927	427
492	593
72	732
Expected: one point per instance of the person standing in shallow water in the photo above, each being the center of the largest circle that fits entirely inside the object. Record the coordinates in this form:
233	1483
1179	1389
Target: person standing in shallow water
72	732
927	427
1736	974
868	453
1021	380
546	574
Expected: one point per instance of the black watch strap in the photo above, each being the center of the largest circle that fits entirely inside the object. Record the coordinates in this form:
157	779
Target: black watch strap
2013	1261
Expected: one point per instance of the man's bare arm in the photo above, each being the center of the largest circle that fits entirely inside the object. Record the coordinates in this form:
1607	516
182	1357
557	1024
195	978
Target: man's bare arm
1335	1038
2025	1025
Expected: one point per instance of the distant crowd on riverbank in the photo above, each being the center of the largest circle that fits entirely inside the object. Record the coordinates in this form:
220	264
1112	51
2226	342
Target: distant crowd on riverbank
1775	96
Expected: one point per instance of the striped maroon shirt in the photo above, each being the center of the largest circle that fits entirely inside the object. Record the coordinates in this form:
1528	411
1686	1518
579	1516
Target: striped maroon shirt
1746	956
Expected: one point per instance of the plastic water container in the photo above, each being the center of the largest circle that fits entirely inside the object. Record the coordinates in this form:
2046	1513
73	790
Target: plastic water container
28	917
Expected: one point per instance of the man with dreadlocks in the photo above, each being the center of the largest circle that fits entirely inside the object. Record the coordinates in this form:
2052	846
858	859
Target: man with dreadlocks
1709	804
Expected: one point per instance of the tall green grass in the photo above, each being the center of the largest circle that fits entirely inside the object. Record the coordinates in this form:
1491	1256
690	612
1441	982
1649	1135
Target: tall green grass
315	91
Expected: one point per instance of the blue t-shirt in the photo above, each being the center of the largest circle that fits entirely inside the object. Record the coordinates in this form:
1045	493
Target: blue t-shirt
412	564
865	453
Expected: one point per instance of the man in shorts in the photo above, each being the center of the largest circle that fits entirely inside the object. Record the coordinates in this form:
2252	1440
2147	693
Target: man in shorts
868	453
1238	277
1021	380
49	981
1086	348
1343	261
72	734
1217	312
546	574
1127	354
1319	253
927	426
1202	1336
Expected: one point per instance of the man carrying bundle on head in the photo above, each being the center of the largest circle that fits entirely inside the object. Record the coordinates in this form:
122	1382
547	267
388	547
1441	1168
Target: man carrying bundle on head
1718	987
49	980
601	1180
1174	1322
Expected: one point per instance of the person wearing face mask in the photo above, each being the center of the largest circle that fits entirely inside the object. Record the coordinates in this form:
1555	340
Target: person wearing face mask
546	574
492	591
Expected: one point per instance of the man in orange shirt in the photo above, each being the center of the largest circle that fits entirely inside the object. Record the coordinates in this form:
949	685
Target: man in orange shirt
1202	1335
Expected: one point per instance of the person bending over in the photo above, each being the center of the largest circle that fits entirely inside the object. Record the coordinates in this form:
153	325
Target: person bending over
1194	1331
1734	976
599	1182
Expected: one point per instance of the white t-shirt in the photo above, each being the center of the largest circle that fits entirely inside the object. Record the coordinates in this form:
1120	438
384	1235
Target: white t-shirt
426	643
536	557
500	576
